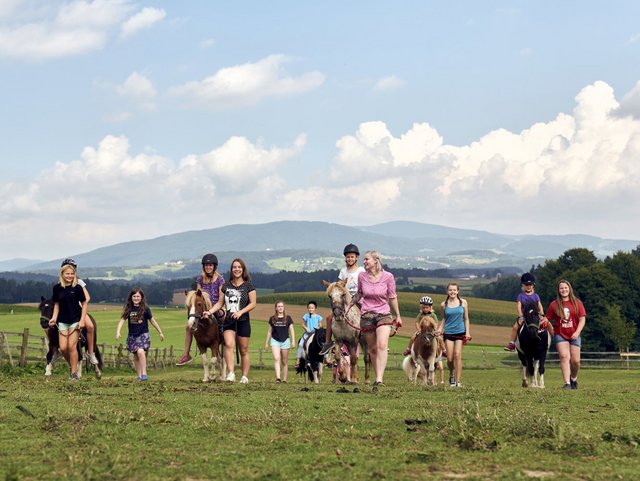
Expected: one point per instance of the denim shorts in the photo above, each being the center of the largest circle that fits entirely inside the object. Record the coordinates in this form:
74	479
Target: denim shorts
558	338
282	345
65	327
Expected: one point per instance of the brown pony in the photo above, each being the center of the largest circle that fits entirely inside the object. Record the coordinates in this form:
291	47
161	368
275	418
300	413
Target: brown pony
425	349
206	333
346	327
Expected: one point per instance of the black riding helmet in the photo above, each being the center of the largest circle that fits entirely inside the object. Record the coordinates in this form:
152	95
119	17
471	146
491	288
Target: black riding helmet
209	259
351	249
69	262
527	278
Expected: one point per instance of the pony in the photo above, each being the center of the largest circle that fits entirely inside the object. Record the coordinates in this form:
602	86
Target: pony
532	344
46	312
206	332
312	360
346	327
412	370
425	349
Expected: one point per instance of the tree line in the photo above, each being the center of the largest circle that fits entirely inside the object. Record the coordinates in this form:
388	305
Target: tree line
609	289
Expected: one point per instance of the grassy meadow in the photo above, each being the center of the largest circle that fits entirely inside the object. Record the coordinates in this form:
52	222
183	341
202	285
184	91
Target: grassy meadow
175	427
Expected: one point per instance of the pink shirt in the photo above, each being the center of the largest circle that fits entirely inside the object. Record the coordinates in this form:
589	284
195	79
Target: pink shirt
376	295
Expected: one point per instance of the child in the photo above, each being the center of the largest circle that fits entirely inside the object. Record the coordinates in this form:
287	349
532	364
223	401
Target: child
138	316
456	329
350	273
210	281
310	322
69	309
527	296
426	309
280	336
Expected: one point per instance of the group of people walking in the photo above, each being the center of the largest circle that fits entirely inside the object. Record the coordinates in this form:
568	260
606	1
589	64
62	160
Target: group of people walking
372	288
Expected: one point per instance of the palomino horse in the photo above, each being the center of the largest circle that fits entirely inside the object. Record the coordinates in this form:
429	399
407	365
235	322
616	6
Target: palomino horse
206	333
46	311
346	327
532	344
425	349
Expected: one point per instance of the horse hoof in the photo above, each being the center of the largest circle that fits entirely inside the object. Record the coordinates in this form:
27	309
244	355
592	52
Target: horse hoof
98	373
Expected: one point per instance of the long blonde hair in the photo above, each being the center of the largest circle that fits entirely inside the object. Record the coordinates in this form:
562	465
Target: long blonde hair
74	282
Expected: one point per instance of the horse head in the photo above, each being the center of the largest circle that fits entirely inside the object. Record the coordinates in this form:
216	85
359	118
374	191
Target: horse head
197	302
339	297
428	327
531	320
46	311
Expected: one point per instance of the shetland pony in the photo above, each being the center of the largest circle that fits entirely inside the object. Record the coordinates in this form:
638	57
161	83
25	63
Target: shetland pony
425	349
532	344
206	332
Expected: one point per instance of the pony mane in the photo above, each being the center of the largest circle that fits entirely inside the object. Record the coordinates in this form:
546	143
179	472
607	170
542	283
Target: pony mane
426	321
191	299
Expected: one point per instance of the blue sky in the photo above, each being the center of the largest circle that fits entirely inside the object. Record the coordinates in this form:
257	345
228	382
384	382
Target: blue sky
128	120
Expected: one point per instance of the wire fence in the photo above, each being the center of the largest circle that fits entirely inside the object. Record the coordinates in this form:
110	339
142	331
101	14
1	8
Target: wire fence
19	349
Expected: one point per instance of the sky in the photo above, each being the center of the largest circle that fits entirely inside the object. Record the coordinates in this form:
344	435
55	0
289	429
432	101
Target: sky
125	120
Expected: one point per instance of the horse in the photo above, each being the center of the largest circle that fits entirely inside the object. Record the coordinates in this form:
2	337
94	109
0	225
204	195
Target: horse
312	361
425	349
206	332
346	327
46	312
413	370
532	344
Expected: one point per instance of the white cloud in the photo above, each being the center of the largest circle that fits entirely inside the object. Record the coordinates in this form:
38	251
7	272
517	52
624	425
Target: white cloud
247	84
40	31
207	43
140	89
633	38
145	18
387	84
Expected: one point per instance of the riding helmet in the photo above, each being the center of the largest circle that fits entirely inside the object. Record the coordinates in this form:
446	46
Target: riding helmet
527	278
351	249
69	262
210	259
426	300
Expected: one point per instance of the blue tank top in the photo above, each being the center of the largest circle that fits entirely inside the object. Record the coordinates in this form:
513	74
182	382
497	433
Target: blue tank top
454	320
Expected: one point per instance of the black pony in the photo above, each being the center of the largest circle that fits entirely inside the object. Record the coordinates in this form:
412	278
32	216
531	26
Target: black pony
46	311
532	344
312	361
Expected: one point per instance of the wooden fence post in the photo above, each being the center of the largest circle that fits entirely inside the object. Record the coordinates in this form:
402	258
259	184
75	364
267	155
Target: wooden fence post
23	348
119	358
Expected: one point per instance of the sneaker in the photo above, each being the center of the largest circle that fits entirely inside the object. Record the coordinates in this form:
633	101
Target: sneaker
452	381
567	386
144	377
74	377
510	347
56	357
406	352
231	377
326	347
574	384
458	384
91	356
378	383
244	380
278	381
185	359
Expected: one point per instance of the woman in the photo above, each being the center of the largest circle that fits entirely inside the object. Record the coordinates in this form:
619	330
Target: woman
456	330
69	309
568	315
376	292
280	336
239	297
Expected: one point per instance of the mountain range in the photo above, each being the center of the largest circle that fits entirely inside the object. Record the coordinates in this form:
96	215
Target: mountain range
401	243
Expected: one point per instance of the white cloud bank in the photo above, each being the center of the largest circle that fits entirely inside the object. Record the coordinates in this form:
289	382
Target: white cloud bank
578	173
41	30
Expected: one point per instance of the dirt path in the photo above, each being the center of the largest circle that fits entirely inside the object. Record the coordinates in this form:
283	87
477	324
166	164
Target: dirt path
489	335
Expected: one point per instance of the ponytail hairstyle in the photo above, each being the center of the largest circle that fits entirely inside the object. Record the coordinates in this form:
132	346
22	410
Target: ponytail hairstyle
129	307
559	302
457	295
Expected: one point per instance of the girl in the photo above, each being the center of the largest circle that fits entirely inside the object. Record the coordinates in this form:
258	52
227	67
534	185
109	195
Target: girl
376	294
210	282
456	330
138	316
239	297
69	308
280	336
568	315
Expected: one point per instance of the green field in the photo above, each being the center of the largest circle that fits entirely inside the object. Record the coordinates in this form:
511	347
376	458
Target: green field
175	427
